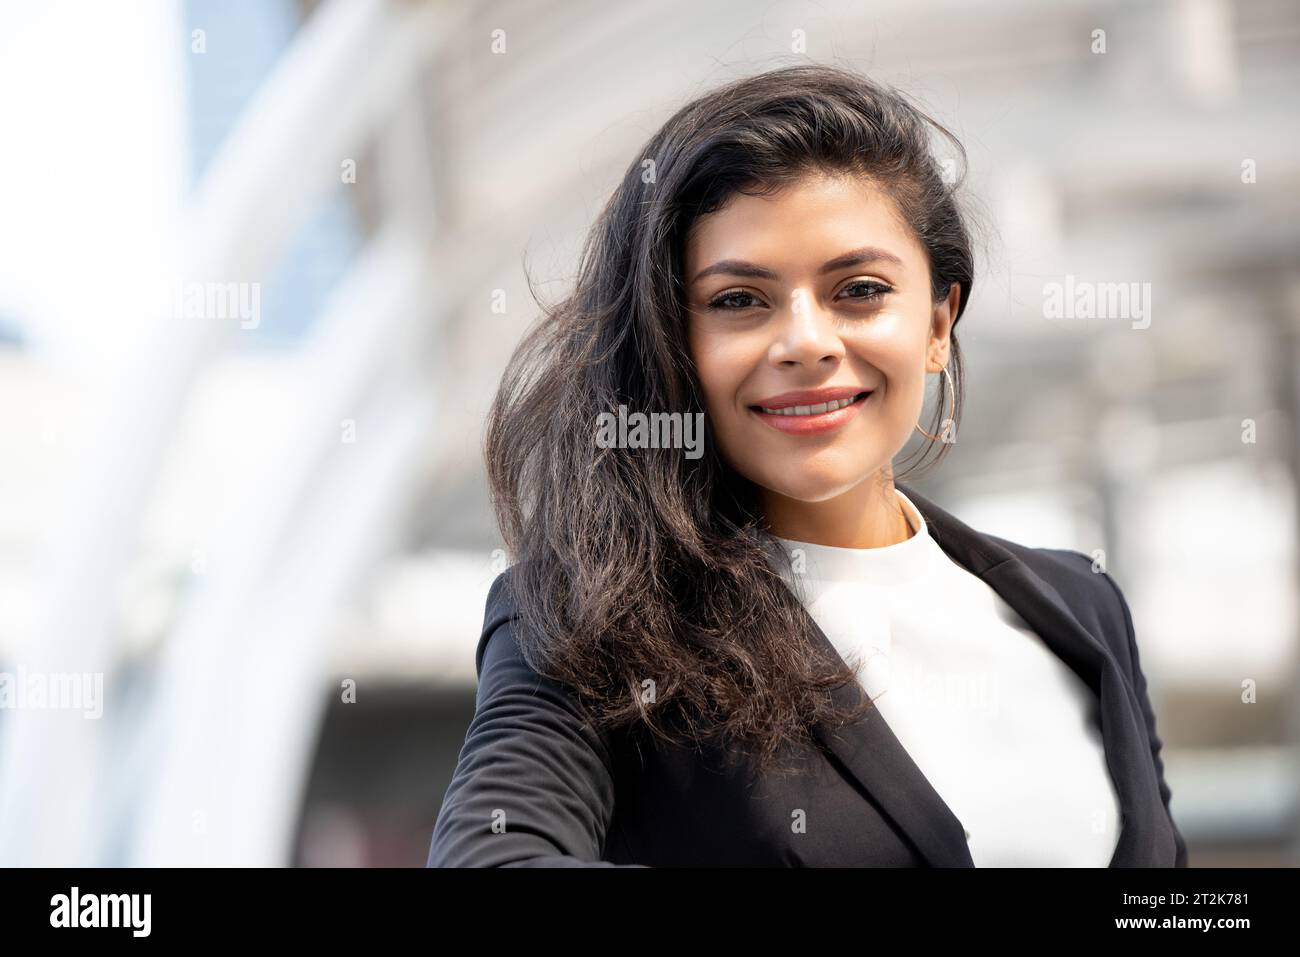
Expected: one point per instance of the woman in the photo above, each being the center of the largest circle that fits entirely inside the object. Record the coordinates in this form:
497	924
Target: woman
766	652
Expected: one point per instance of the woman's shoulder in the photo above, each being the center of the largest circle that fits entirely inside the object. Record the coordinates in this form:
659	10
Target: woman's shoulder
1076	575
507	675
499	609
1086	586
501	644
506	665
1067	566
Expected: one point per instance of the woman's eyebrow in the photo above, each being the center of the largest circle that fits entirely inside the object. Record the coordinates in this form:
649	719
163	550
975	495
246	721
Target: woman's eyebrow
855	257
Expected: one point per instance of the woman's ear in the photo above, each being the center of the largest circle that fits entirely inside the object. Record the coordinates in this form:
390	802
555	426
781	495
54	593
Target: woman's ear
941	329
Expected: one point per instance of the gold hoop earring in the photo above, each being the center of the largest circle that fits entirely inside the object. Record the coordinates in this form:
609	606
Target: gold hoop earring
952	410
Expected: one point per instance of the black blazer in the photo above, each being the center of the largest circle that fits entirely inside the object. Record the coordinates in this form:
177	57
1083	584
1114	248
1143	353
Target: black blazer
536	786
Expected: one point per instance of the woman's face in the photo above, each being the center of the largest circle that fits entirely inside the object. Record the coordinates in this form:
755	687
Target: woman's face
801	301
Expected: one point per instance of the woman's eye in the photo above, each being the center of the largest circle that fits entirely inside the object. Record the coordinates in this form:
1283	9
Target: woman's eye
863	290
722	301
868	290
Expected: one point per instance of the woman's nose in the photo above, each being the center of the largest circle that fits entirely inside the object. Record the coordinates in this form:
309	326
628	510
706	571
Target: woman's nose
804	333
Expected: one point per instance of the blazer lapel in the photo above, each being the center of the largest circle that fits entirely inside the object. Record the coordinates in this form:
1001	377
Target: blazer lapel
874	757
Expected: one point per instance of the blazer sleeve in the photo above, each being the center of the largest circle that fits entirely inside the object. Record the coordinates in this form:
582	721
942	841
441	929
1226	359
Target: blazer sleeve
533	785
1140	685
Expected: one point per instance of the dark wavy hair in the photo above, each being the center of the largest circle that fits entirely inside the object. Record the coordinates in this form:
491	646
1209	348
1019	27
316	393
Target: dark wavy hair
642	565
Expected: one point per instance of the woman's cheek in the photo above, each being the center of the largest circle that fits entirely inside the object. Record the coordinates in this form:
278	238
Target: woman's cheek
721	371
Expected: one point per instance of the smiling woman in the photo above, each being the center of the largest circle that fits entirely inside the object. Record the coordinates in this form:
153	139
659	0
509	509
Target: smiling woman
810	324
687	663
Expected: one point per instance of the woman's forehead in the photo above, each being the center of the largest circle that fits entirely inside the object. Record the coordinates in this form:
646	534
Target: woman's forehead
804	223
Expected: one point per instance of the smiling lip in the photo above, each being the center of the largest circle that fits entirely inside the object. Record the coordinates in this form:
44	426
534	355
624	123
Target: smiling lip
810	421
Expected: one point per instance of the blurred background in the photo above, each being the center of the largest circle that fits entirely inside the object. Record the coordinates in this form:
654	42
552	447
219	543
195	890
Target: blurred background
262	262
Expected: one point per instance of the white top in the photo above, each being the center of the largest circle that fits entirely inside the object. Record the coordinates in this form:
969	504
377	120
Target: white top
1000	726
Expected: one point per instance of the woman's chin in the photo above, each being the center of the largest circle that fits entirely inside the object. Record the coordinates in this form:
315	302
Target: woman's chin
812	489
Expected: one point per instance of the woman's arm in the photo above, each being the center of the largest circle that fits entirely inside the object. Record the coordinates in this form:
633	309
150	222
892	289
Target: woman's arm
533	785
1140	685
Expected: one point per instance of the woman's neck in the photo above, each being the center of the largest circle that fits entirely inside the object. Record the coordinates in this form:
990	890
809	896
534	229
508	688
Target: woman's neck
869	515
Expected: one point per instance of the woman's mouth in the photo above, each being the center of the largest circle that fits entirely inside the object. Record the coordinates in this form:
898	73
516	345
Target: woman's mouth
808	419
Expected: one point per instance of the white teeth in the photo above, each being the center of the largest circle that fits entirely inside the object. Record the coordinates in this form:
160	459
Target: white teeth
811	409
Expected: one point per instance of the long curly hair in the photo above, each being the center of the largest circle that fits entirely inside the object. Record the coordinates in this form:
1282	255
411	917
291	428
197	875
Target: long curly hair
643	577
